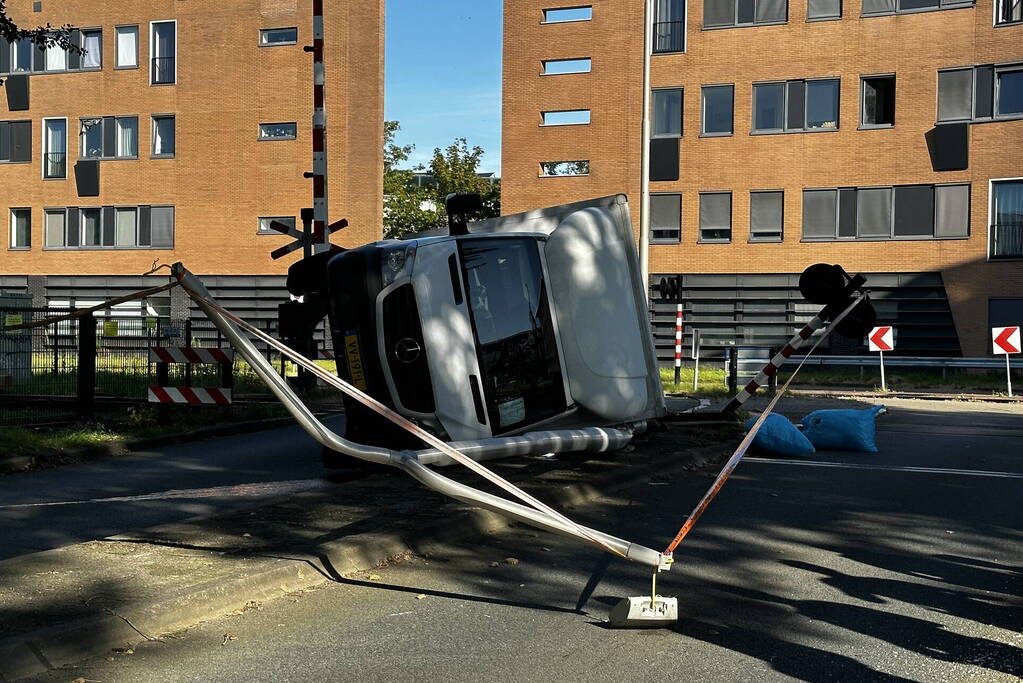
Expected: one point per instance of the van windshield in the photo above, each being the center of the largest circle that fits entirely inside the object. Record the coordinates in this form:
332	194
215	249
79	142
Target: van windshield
511	320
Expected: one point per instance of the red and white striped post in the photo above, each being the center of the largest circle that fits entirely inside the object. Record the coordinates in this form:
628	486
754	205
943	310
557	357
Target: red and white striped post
320	235
678	342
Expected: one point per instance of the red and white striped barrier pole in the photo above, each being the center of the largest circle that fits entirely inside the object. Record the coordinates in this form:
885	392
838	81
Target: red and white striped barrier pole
320	235
175	354
217	396
678	343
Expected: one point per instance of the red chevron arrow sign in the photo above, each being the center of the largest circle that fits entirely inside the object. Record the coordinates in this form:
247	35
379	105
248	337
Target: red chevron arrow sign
1006	339
881	338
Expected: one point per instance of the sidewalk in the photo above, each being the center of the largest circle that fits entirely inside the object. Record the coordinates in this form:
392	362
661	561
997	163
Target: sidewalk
59	606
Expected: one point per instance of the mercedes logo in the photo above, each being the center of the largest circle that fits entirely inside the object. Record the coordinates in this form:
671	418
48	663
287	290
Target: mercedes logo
407	350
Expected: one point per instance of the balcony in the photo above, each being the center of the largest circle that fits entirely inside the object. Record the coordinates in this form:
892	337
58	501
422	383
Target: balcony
55	165
669	36
162	72
1007	241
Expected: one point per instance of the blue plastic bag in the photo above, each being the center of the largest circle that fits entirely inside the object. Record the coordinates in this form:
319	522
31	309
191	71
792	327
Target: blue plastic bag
778	435
845	430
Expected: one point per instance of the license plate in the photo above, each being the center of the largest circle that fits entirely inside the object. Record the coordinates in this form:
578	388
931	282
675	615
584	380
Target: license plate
354	357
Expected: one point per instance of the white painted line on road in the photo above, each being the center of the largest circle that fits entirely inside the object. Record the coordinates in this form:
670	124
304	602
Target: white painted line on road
892	468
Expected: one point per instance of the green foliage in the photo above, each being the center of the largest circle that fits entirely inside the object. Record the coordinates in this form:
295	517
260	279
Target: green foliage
411	208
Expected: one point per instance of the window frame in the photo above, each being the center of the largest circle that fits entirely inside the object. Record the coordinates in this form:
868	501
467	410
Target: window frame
685	31
703	111
545	62
545	124
991	215
545	10
116	120
785	106
81	44
891	236
47	210
264	31
117	211
841	13
963	4
117	47
735	14
261	138
863	100
700	239
997	90
995	23
662	240
565	175
997	69
11	246
152	43
43	146
10	141
681	112
81	228
753	239
271	232
152	135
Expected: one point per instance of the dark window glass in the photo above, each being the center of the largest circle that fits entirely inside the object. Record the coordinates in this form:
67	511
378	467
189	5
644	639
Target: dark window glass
914	211
669	25
1007	213
847	212
821	104
715	216
955	95
667	113
514	333
908	5
717	110
278	36
1008	11
745	11
21	228
21	57
796	104
1010	93
983	91
718	13
768	106
878	101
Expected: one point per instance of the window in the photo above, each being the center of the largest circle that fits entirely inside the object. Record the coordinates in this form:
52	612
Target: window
278	131
125	226
795	106
15	141
21	55
54	225
162	226
269	37
1008	12
264	224
667	107
562	14
669	26
127	47
163	49
715	216
91	227
21	228
92	46
730	13
565	168
54	148
899	212
665	218
821	10
109	137
163	135
557	67
717	109
877	104
1006	236
980	93
882	7
572	117
766	210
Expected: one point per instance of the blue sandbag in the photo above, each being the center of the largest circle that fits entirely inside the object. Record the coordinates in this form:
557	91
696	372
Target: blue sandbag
778	435
845	430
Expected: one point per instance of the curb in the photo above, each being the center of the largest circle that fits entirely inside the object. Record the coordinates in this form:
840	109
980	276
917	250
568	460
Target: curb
922	396
51	648
19	463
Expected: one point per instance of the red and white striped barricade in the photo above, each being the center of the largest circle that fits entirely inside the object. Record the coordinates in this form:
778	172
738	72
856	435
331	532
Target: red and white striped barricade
163	355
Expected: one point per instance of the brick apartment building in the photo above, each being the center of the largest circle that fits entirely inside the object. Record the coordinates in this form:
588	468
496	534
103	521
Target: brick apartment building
179	132
884	135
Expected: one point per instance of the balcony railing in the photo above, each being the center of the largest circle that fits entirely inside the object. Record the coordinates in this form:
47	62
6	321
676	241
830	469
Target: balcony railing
1007	240
55	165
669	36
163	70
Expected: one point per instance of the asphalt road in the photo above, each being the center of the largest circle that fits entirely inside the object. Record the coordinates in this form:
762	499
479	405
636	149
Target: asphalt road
901	565
286	454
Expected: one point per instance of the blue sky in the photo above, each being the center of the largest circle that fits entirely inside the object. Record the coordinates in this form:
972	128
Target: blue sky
443	75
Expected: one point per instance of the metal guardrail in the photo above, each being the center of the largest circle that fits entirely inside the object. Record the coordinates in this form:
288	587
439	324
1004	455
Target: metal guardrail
995	363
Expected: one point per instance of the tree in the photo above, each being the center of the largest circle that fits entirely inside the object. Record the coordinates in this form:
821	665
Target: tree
410	207
42	36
